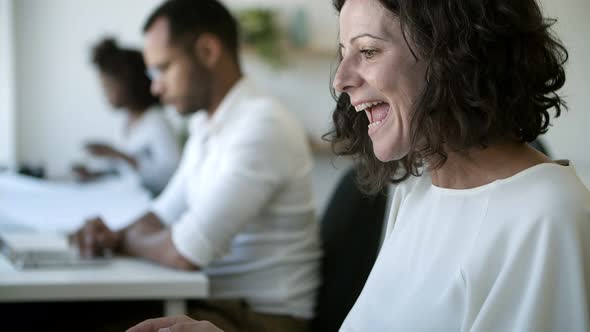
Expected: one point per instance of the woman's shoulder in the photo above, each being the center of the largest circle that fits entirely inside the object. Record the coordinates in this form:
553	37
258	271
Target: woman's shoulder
552	188
548	197
409	185
399	192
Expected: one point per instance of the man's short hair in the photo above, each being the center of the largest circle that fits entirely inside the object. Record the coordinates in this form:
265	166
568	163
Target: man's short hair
190	18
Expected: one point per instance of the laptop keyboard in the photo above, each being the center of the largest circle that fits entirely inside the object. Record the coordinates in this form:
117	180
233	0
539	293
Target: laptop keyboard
54	256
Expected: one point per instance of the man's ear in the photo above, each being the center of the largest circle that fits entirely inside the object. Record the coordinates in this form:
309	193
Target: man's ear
208	49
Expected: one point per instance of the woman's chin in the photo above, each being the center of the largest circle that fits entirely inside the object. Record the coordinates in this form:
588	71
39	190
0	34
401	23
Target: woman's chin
386	154
383	156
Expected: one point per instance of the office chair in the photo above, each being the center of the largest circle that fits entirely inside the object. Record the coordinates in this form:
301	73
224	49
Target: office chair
351	233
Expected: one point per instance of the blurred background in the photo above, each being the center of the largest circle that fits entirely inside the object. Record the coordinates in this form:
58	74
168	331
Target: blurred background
51	101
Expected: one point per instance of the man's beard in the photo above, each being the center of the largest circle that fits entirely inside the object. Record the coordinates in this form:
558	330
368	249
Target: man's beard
200	90
194	103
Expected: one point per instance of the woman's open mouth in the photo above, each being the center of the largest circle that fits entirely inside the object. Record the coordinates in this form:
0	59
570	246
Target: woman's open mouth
376	111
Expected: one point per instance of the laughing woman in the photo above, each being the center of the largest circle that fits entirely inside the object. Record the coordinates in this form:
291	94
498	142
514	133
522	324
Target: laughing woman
485	233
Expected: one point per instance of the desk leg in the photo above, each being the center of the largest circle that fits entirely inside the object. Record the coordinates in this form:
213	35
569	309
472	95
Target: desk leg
174	307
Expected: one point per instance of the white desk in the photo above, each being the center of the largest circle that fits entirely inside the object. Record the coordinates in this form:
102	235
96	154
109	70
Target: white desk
31	204
122	279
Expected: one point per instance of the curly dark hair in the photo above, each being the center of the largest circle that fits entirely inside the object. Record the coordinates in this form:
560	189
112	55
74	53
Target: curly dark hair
127	67
493	69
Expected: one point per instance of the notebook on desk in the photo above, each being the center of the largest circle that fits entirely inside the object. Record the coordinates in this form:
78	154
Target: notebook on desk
29	250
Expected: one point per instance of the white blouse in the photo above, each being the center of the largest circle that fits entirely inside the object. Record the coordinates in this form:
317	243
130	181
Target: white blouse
513	255
152	142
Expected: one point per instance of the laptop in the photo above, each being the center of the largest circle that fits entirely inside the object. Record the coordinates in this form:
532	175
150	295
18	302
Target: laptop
30	250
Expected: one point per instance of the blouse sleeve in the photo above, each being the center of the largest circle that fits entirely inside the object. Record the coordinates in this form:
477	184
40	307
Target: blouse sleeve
538	282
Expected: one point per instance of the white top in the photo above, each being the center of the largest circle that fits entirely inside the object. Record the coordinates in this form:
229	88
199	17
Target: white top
153	143
513	255
241	204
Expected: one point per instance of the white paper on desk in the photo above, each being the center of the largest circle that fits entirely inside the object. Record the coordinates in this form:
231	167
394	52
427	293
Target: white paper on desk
45	205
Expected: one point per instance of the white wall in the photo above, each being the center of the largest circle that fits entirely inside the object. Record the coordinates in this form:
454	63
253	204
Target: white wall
60	103
59	100
567	139
7	100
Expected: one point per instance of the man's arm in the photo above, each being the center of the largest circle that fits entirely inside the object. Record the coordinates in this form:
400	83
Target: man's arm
253	167
150	239
147	237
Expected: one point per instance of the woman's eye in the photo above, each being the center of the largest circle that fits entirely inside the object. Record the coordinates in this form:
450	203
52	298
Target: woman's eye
368	54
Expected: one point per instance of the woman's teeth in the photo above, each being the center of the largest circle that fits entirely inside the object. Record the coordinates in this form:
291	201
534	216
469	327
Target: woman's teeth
374	124
364	106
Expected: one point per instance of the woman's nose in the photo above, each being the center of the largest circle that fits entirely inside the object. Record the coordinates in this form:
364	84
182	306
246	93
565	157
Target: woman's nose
345	77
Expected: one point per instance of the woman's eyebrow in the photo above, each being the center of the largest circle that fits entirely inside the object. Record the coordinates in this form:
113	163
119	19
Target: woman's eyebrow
366	35
361	36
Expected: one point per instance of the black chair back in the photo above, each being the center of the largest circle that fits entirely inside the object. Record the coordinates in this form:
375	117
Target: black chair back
351	233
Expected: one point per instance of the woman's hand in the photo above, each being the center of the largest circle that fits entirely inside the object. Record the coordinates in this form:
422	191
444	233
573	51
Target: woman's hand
174	324
107	151
102	150
83	174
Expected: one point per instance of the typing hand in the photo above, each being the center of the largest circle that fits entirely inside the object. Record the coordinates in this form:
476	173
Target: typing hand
95	239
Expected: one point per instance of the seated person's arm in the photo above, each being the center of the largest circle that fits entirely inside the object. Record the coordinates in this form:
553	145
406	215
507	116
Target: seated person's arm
107	151
147	237
85	174
252	169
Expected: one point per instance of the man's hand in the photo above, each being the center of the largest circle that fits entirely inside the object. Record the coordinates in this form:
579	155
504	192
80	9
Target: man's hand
95	239
174	324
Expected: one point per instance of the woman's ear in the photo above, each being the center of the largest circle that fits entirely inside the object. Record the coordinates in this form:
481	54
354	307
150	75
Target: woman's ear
208	49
